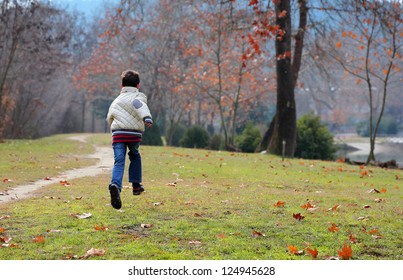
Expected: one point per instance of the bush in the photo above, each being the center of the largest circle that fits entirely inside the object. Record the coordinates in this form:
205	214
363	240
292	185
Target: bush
215	142
152	136
195	137
249	139
314	140
175	133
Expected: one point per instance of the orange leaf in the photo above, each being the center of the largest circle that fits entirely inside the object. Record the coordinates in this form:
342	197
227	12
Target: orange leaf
2	229
279	204
346	253
339	44
334	208
333	228
38	239
221	235
383	190
101	228
298	216
313	253
307	206
353	239
294	250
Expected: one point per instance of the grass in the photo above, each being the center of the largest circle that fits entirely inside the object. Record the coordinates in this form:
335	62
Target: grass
206	205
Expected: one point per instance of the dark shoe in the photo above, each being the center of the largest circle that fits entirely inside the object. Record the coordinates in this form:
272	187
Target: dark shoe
138	189
115	196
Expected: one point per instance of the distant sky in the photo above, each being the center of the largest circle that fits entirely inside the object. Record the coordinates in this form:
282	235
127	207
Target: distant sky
88	7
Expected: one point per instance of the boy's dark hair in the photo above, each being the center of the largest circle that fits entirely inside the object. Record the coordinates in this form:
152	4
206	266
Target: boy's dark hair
130	78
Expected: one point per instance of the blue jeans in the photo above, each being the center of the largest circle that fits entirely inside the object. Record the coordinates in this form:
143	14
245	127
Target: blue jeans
135	172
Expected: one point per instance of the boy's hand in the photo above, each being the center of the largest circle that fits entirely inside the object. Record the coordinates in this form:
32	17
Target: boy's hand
148	124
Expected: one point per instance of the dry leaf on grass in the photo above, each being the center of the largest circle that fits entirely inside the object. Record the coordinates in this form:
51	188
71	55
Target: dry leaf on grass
93	252
81	216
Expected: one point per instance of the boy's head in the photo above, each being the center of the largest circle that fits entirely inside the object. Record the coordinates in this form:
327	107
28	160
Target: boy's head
130	78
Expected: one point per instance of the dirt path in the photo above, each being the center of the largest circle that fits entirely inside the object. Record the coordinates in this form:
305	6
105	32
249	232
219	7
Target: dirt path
104	163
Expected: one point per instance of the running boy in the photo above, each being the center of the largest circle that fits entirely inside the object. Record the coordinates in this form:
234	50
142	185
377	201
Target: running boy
127	117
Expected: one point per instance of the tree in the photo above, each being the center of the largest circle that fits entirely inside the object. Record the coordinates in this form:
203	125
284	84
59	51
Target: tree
370	49
34	54
283	125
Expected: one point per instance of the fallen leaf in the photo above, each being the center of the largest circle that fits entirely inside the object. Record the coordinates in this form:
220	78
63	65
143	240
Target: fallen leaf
4	217
78	197
279	204
47	178
81	216
378	200
366	206
307	206
6	180
146	225
93	252
298	216
158	203
197	215
333	228
313	253
383	190
38	239
294	250
221	235
353	239
334	208
195	242
257	233
101	228
346	252
2	229
5	239
172	184
373	191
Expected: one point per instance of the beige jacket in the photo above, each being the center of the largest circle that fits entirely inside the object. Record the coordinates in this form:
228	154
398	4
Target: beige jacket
129	110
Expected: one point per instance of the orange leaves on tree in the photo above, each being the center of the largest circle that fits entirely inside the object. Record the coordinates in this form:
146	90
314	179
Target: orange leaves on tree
253	2
283	14
279	204
339	44
346	252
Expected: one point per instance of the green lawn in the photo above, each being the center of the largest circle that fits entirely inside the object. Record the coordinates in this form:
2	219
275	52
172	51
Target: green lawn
202	204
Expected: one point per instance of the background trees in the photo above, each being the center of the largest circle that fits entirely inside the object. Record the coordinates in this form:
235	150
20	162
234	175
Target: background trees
217	64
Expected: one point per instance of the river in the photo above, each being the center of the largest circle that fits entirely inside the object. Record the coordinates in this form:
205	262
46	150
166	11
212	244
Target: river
385	150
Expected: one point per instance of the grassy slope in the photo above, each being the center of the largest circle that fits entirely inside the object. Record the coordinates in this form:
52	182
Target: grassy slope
222	207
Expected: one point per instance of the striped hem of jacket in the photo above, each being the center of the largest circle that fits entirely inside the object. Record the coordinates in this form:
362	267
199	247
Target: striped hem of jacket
126	136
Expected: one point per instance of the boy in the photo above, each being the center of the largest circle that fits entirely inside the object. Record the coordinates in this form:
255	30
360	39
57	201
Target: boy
127	117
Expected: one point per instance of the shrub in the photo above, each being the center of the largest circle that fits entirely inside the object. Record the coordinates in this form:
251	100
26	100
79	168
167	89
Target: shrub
152	136
215	142
249	139
314	140
195	137
175	133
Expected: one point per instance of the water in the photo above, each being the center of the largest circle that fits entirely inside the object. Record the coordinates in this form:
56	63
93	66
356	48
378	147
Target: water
383	152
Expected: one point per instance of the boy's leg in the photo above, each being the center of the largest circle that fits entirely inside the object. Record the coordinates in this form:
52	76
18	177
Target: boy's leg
119	151
135	168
